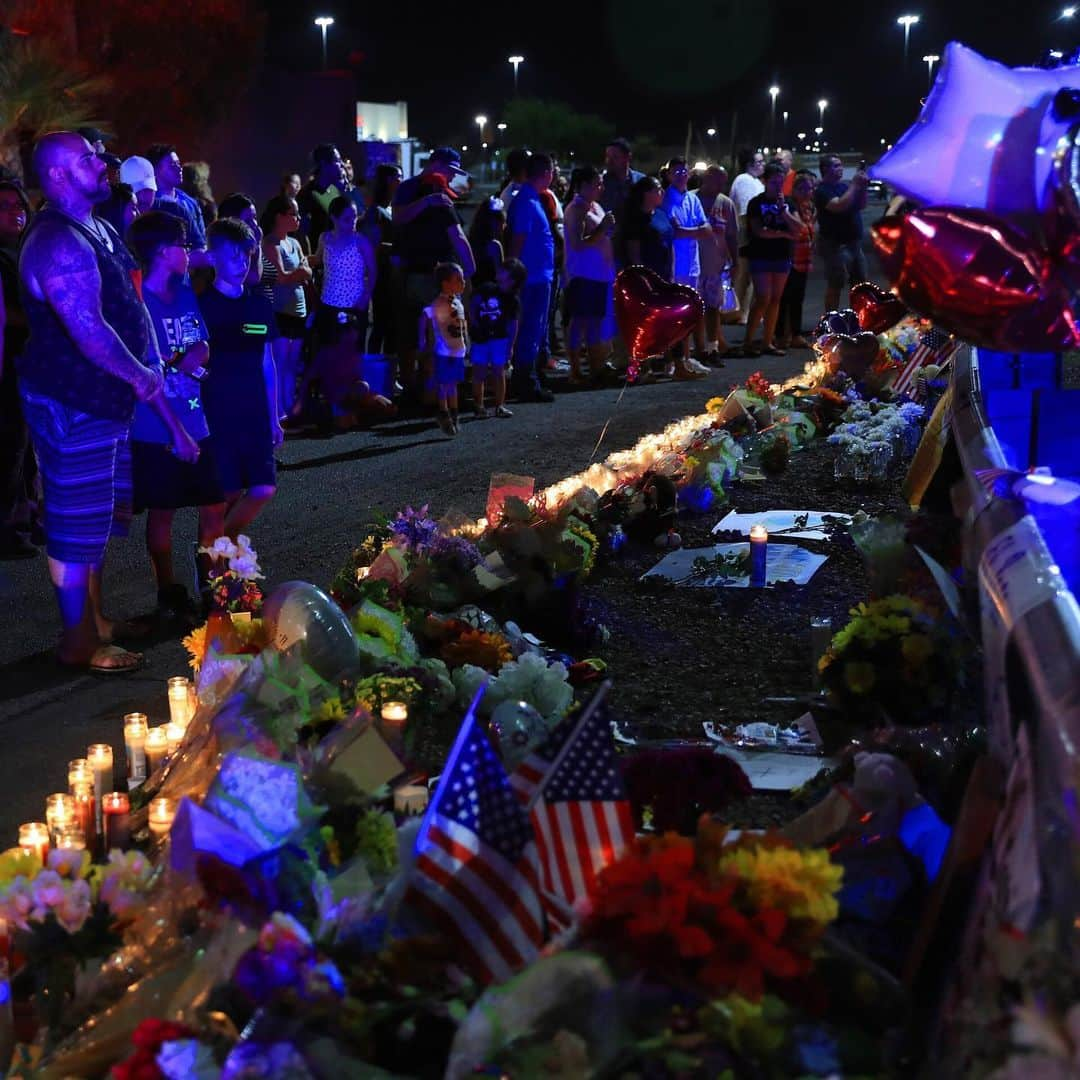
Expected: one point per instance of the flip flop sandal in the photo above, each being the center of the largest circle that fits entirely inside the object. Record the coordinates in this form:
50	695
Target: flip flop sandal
96	666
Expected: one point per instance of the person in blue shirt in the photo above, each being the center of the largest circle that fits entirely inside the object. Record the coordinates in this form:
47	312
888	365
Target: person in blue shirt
532	241
170	197
163	483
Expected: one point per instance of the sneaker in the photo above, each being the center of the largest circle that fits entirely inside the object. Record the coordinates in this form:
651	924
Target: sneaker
695	366
502	412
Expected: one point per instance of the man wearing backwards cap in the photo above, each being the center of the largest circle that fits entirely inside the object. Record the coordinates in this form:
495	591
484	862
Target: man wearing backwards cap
138	174
427	231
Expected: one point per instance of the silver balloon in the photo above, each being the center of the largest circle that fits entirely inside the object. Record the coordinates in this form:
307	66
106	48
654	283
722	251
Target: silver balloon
303	618
516	728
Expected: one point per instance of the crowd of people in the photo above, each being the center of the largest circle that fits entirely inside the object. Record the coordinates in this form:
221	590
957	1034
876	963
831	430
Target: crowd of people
158	345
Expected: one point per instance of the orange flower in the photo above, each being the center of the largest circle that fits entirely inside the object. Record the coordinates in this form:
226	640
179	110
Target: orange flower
489	651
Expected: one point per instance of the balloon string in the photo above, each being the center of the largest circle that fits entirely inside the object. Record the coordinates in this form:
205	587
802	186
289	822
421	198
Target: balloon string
607	423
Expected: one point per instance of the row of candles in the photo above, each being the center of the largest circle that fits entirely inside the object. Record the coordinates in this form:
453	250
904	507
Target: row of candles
90	809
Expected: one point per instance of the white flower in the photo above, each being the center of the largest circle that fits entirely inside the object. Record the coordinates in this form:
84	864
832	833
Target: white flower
221	548
467	680
74	906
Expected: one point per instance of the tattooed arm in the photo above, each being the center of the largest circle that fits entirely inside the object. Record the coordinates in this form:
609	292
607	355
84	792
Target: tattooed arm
61	268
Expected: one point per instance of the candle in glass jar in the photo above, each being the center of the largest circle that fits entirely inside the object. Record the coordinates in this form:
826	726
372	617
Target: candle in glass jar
100	757
135	730
162	812
79	772
394	714
34	839
116	814
59	813
178	700
157	747
174	733
85	812
410	799
759	547
71	840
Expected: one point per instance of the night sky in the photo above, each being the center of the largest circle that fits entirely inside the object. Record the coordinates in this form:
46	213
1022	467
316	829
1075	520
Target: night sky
651	67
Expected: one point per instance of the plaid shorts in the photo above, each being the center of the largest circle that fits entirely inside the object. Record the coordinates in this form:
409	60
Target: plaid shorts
85	465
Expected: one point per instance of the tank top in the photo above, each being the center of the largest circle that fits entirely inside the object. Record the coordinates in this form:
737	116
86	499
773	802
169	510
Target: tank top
447	315
289	299
343	272
51	363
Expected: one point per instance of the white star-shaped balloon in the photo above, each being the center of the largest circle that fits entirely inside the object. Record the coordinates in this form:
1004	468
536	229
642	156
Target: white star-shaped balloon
985	138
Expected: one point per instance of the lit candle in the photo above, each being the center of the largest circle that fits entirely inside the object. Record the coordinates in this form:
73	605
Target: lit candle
162	812
71	840
100	757
79	772
410	799
135	730
174	734
34	839
394	714
157	746
178	700
59	813
116	813
759	546
85	812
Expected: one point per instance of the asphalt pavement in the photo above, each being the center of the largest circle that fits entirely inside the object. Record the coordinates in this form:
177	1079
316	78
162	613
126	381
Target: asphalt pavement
328	489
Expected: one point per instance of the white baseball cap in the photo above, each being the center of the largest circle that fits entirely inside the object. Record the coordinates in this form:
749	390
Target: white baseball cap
139	173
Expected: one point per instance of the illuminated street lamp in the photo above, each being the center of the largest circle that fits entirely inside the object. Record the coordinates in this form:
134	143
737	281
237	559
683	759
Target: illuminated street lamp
710	132
907	22
481	123
822	105
323	22
774	93
930	60
516	61
1068	13
500	127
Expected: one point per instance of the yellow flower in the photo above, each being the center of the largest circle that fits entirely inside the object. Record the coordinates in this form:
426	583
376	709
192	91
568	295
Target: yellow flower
714	404
859	676
917	649
801	882
15	862
330	710
195	643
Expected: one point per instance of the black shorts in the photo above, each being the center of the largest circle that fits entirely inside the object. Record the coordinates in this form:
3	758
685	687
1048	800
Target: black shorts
291	326
586	299
164	482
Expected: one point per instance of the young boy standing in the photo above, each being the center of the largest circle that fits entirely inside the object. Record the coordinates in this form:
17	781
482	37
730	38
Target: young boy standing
444	334
494	314
240	392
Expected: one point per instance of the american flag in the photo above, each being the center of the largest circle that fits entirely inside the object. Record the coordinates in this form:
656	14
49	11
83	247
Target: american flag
935	347
476	872
578	806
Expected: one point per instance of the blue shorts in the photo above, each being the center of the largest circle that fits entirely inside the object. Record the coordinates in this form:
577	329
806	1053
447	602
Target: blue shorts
490	356
85	465
449	369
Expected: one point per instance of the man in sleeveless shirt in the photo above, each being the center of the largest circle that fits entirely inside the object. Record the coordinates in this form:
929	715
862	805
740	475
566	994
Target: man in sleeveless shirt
89	355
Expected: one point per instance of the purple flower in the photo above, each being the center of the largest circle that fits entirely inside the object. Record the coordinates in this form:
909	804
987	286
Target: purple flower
457	552
415	528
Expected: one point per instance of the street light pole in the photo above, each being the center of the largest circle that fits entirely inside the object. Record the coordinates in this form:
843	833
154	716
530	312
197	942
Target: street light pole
774	92
907	22
822	105
930	60
323	22
516	61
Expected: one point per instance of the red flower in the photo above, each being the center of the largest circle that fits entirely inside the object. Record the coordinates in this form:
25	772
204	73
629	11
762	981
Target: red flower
148	1038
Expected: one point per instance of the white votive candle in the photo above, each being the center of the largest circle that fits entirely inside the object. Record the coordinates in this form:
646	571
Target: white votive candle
178	700
174	734
394	713
135	729
759	547
79	772
34	839
161	814
100	757
157	747
59	813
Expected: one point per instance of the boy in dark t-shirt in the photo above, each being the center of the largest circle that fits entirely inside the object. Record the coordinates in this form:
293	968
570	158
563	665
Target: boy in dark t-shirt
240	391
495	311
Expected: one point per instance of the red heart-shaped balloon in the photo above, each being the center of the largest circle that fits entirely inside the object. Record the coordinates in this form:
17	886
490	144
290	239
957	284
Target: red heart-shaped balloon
877	308
653	314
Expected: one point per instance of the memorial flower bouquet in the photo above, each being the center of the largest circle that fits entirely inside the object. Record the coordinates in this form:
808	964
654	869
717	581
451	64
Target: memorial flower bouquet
715	917
895	658
233	575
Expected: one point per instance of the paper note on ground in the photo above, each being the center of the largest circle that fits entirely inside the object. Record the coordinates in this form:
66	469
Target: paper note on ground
773	770
779	521
784	562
